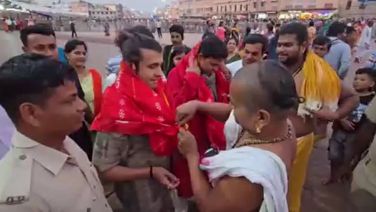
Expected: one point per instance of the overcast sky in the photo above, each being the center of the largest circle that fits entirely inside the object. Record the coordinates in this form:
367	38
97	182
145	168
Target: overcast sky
145	5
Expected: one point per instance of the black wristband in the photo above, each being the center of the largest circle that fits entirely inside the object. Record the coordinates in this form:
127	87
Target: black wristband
151	172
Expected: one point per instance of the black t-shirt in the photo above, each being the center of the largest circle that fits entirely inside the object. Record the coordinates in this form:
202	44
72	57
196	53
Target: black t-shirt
73	26
366	99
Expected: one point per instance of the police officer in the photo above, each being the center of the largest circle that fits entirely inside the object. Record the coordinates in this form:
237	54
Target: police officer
45	170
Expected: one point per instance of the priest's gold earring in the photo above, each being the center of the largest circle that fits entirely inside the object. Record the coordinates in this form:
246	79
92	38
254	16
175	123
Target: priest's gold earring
258	129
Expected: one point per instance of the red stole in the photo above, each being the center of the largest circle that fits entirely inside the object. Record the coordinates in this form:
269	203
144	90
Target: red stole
131	107
204	94
184	87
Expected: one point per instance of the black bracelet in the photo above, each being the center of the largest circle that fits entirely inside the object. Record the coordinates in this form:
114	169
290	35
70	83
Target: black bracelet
151	172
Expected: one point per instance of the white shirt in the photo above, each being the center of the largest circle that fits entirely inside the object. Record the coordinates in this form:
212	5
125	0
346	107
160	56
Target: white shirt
234	67
8	22
232	131
255	31
365	37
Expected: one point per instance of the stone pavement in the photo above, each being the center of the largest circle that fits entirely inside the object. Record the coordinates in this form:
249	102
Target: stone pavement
323	198
101	48
98	55
316	197
190	39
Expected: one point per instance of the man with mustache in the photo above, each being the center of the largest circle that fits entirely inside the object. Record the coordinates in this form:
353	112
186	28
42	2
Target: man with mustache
321	89
40	39
255	46
45	170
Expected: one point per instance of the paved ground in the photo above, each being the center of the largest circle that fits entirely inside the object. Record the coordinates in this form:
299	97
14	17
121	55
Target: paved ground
316	197
189	38
98	52
101	48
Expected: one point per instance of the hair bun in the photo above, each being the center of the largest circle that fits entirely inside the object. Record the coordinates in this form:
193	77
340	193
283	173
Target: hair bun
122	37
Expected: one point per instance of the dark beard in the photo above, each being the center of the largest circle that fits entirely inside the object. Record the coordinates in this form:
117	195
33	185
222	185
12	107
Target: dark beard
290	61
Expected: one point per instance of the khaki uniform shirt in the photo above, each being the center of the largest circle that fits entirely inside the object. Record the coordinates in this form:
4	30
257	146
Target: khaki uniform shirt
365	172
34	177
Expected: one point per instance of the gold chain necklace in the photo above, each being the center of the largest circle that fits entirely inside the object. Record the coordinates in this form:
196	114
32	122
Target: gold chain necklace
297	72
301	66
255	141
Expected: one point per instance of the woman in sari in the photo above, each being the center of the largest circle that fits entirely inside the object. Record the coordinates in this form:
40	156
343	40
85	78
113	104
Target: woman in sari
263	95
232	49
137	129
90	79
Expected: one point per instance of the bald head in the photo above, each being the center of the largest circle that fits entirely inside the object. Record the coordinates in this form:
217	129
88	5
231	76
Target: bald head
266	85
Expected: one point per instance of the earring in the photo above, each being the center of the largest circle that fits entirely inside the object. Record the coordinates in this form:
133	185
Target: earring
258	130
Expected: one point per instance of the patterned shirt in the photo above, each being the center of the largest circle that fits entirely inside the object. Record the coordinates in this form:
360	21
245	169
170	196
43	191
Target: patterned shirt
143	195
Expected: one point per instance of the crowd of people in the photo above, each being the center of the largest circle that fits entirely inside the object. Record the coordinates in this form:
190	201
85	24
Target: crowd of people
10	24
227	125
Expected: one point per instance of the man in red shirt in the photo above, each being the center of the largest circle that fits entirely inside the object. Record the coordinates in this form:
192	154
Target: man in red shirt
200	76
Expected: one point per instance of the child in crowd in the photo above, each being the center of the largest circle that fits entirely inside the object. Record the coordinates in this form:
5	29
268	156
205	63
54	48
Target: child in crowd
178	52
344	131
321	45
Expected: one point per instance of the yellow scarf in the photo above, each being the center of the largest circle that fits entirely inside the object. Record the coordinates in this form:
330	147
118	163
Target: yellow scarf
321	86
